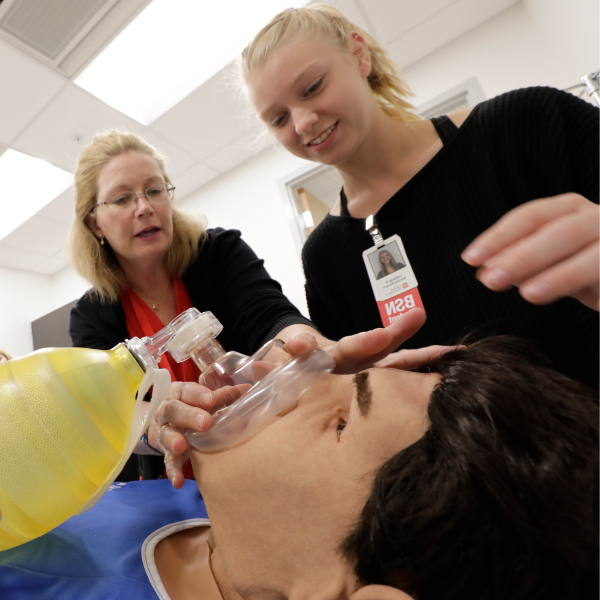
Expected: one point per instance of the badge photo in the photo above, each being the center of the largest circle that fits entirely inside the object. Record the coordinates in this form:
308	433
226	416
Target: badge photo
392	279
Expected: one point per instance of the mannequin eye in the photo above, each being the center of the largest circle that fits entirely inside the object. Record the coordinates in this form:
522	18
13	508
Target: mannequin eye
341	426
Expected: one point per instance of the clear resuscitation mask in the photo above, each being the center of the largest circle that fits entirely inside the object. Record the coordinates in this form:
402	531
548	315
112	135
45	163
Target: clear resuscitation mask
275	379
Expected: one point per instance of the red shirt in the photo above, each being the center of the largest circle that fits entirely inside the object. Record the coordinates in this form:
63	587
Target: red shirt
143	322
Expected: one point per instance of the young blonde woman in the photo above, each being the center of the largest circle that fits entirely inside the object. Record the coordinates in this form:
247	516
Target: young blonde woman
511	186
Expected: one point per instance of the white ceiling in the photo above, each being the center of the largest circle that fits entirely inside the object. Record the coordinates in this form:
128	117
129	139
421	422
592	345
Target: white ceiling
206	134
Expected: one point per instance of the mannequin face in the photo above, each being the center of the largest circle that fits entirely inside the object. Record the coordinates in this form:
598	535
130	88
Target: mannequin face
282	500
315	98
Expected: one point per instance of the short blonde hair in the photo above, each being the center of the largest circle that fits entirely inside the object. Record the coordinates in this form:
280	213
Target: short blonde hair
98	264
385	79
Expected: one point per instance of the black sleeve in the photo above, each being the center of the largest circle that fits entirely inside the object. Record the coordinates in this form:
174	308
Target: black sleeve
544	142
96	325
321	306
230	280
582	132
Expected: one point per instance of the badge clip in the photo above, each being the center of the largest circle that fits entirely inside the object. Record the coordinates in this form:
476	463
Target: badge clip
372	228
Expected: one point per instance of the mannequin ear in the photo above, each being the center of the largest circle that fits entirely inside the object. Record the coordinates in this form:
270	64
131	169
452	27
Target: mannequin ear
379	592
360	50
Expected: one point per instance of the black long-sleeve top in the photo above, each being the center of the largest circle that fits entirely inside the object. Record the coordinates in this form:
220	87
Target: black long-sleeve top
227	279
523	145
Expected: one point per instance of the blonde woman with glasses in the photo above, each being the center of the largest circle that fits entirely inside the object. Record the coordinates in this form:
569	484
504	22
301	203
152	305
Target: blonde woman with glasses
148	261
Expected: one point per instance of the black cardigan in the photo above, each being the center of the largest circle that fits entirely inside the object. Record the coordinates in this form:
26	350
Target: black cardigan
527	144
227	279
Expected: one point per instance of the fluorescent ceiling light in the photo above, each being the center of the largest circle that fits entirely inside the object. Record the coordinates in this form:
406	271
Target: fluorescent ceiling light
28	184
170	49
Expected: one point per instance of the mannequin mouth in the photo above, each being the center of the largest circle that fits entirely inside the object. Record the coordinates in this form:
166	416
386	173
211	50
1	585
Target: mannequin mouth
148	232
323	136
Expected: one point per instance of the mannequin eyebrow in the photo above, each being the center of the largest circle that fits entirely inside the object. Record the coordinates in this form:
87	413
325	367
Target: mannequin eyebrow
363	392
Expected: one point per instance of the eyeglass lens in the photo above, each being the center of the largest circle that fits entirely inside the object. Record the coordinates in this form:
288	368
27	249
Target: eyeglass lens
157	194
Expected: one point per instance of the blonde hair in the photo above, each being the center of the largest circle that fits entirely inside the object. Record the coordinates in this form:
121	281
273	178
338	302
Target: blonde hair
5	354
385	79
97	263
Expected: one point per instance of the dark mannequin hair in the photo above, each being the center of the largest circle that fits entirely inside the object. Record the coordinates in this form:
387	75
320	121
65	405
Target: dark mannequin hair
499	499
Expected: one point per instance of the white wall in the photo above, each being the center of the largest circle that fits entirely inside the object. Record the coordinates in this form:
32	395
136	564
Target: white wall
535	42
248	198
24	297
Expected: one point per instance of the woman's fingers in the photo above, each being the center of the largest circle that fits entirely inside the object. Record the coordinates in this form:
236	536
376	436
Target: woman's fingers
356	352
181	410
174	468
301	343
518	224
409	360
557	241
576	276
548	248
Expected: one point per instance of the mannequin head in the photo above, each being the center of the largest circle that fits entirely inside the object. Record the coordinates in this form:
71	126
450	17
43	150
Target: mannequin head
485	458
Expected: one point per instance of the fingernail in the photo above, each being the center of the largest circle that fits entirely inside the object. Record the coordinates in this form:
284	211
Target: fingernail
206	399
199	421
173	481
496	279
474	256
537	292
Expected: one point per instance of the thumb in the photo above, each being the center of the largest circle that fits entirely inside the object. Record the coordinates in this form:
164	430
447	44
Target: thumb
379	592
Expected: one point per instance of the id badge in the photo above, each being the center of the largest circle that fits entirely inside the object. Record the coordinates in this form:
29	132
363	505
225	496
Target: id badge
396	292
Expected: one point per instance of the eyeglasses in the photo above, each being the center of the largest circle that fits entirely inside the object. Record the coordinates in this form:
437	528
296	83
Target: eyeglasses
122	201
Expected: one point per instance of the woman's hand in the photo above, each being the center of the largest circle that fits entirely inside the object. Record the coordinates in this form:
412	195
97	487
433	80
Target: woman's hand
547	248
187	406
356	352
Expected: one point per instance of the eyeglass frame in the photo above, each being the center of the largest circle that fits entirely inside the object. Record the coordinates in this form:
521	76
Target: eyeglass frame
166	185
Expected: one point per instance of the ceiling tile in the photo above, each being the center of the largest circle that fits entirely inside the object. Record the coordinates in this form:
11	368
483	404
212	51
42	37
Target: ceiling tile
25	88
233	154
39	235
61	209
177	160
207	120
19	259
67	125
193	179
392	19
354	11
50	266
442	28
